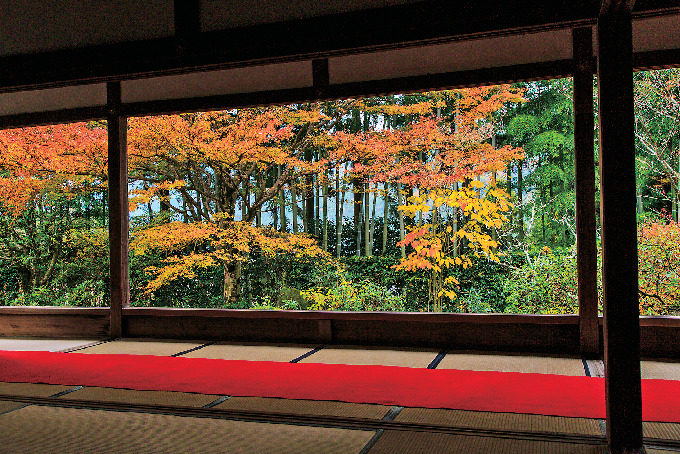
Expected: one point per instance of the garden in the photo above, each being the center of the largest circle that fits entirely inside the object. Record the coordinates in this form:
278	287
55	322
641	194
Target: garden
451	201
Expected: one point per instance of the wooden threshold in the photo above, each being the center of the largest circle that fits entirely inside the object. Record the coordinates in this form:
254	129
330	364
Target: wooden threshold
550	334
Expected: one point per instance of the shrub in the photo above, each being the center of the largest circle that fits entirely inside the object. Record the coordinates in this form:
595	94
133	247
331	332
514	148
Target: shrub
659	268
545	285
354	296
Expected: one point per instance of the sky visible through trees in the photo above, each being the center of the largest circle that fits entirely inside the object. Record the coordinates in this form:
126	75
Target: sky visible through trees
459	200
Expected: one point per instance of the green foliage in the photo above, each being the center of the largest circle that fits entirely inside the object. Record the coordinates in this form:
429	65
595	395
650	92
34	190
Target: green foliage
9	284
522	127
482	287
411	286
544	127
544	285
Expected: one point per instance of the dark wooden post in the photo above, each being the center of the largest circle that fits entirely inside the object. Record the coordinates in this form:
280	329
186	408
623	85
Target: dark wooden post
619	234
118	208
320	76
584	136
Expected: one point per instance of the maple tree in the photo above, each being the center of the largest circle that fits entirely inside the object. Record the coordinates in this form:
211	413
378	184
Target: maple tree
215	160
44	174
443	154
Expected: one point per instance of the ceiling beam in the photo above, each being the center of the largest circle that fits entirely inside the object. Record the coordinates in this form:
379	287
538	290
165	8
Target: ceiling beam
318	37
613	6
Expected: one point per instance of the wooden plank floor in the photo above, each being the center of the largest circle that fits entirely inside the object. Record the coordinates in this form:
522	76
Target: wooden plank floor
186	422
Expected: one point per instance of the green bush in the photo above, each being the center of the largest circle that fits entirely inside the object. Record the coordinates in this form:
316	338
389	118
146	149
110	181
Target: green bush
544	285
410	286
482	286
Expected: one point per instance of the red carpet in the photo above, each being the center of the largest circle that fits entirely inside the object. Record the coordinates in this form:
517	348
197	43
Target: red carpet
444	388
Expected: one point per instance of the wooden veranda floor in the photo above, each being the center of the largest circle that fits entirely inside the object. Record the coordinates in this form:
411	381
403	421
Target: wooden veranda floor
66	419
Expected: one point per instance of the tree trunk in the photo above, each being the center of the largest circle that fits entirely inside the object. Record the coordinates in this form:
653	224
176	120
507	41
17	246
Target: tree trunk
165	205
261	184
520	189
508	175
677	191
294	205
401	220
275	217
367	221
26	280
358	205
339	214
246	200
455	226
230	287
282	204
317	207
372	238
674	202
325	216
309	199
385	215
638	197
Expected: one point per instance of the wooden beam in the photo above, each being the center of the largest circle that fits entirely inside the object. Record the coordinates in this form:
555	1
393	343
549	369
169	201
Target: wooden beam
659	335
428	82
508	74
614	6
320	77
586	246
517	333
118	208
54	322
619	233
187	24
657	59
53	117
388	27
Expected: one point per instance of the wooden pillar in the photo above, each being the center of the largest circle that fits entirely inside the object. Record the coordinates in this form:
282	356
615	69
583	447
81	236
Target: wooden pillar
619	234
584	135
118	208
320	77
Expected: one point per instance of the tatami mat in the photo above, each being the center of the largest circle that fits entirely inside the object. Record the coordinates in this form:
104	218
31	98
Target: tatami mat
251	352
660	370
500	421
52	345
7	406
510	363
429	443
142	397
26	390
372	356
32	389
305	407
142	347
665	430
64	430
595	367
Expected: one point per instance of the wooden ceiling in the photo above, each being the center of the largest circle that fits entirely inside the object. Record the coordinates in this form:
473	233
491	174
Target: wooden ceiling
184	55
